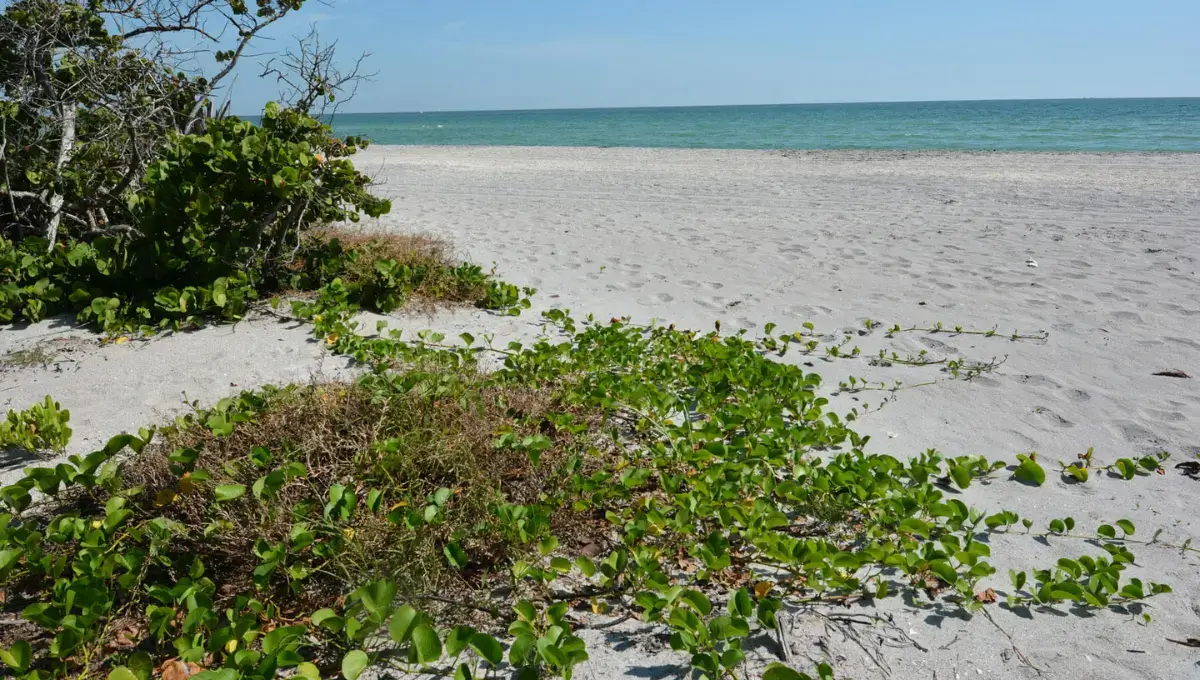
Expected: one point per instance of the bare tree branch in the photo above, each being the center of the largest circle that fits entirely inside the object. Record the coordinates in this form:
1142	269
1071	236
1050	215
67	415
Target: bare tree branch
308	75
114	92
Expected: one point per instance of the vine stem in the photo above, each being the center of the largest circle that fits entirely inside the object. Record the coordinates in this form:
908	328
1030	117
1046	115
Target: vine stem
1124	539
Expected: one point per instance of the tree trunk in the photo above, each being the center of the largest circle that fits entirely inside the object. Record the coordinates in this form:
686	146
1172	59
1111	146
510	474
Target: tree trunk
64	154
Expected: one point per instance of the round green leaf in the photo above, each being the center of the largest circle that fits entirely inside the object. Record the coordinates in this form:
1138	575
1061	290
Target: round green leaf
354	663
427	644
19	656
402	624
550	653
944	571
520	649
698	600
228	492
586	566
457	639
741	603
488	648
1030	472
778	671
961	476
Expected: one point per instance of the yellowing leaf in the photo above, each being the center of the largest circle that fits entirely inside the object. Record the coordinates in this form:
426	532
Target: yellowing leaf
186	485
165	497
348	532
599	606
121	340
231	646
762	588
331	338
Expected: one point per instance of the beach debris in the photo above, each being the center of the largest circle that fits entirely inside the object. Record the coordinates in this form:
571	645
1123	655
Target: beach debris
1173	373
1031	262
1190	642
1190	468
986	597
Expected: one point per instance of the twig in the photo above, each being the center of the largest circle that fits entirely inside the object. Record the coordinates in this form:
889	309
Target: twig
611	624
1016	650
492	611
785	647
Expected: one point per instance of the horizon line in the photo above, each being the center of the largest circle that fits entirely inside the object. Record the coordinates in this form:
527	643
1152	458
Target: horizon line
707	106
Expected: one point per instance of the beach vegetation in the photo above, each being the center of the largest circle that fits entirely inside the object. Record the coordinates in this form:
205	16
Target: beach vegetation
41	427
131	203
437	518
40	355
428	515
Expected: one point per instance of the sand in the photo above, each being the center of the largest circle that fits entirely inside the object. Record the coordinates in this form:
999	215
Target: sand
831	238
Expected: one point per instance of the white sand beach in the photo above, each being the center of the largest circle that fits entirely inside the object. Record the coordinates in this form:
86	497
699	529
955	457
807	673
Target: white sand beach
1101	251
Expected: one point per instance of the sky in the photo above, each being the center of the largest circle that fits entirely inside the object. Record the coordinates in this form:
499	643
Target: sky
460	55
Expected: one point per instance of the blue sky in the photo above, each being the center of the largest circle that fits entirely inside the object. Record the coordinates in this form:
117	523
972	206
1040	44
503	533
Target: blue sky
523	54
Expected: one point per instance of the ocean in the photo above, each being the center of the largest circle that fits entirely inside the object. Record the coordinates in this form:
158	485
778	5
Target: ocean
1016	125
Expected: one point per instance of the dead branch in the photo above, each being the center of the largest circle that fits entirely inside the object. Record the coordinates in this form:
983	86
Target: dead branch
308	75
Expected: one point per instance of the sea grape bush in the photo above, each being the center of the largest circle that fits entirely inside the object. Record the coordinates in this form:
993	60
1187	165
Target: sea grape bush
242	194
216	219
222	219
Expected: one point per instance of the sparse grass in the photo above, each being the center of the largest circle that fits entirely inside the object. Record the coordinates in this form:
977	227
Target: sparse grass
397	453
384	271
40	355
411	250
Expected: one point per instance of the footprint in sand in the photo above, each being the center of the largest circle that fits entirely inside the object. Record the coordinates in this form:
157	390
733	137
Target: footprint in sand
1027	442
1078	395
1137	435
1184	341
1038	381
655	299
715	303
1052	417
938	345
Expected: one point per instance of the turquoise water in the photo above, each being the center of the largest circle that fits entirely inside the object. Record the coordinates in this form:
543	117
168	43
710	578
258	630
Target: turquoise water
1029	125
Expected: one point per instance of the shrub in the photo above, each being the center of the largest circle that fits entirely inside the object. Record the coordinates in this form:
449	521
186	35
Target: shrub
241	195
40	427
384	271
218	218
90	95
239	520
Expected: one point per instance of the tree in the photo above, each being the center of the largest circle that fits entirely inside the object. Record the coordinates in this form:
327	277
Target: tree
92	91
124	197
